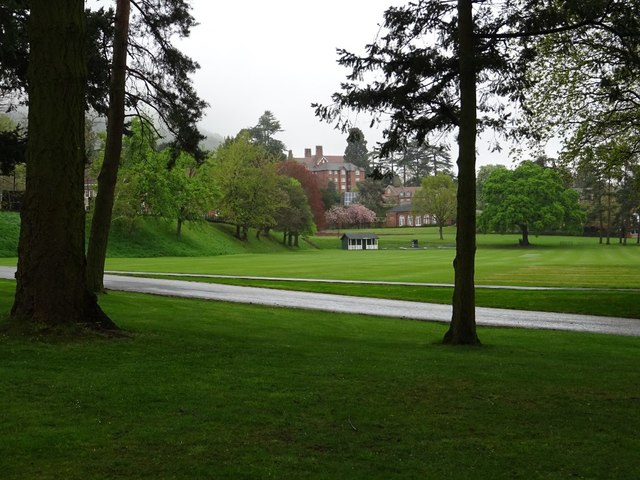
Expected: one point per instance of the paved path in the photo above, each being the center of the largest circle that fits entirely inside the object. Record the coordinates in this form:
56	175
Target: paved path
367	282
367	306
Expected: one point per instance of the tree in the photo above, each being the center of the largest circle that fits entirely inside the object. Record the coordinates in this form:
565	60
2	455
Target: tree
107	179
160	81
51	290
293	217
14	43
429	62
370	192
354	214
12	145
263	134
356	151
191	191
360	215
483	173
330	195
437	197
603	163
129	68
532	198
245	176
309	182
416	161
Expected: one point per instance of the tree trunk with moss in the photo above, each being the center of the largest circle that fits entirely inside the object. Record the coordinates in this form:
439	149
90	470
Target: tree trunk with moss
51	289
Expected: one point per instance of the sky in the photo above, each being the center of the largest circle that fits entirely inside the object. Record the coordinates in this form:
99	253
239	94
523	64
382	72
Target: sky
280	55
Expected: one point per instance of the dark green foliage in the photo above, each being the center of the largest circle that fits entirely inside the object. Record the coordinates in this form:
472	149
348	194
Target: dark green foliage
356	151
293	218
158	74
13	144
263	134
330	195
370	193
13	48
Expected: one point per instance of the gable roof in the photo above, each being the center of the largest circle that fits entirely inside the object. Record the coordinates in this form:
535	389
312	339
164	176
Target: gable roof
350	167
358	236
403	207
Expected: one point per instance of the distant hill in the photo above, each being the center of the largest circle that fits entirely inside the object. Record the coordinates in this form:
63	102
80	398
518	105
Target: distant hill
212	140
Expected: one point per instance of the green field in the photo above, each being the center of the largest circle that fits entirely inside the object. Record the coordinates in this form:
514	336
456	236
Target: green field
212	390
562	266
553	261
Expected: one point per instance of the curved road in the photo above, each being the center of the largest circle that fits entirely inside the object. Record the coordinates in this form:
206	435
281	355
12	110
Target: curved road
362	305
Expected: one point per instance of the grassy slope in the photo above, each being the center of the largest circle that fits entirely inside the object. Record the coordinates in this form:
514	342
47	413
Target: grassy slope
211	390
156	238
9	232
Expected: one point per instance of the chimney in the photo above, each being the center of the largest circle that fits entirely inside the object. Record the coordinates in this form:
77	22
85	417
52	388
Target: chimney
319	152
307	152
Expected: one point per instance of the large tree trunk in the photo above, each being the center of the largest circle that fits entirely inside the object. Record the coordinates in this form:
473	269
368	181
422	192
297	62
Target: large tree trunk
51	288
103	208
462	330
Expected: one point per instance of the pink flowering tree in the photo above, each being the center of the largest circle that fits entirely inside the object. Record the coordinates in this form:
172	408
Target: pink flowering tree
360	215
354	214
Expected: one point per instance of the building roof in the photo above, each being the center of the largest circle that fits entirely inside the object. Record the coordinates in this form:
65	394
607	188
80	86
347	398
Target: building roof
391	190
335	166
403	207
358	236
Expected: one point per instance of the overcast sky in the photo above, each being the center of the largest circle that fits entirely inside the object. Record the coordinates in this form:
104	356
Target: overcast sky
280	55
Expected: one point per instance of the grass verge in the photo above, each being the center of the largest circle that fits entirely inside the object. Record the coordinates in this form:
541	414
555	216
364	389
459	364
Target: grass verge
212	390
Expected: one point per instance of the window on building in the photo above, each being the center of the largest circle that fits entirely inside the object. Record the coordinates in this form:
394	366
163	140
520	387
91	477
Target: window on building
418	221
410	220
357	173
401	221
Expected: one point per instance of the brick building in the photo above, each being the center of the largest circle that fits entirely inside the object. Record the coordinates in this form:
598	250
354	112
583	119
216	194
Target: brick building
401	216
328	168
398	195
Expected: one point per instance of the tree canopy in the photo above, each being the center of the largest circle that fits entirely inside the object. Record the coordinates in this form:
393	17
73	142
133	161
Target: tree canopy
247	181
309	183
293	218
356	151
263	134
436	196
370	192
531	198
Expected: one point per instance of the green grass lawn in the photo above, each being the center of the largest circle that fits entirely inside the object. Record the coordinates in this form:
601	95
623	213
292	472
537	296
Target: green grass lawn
552	263
213	390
